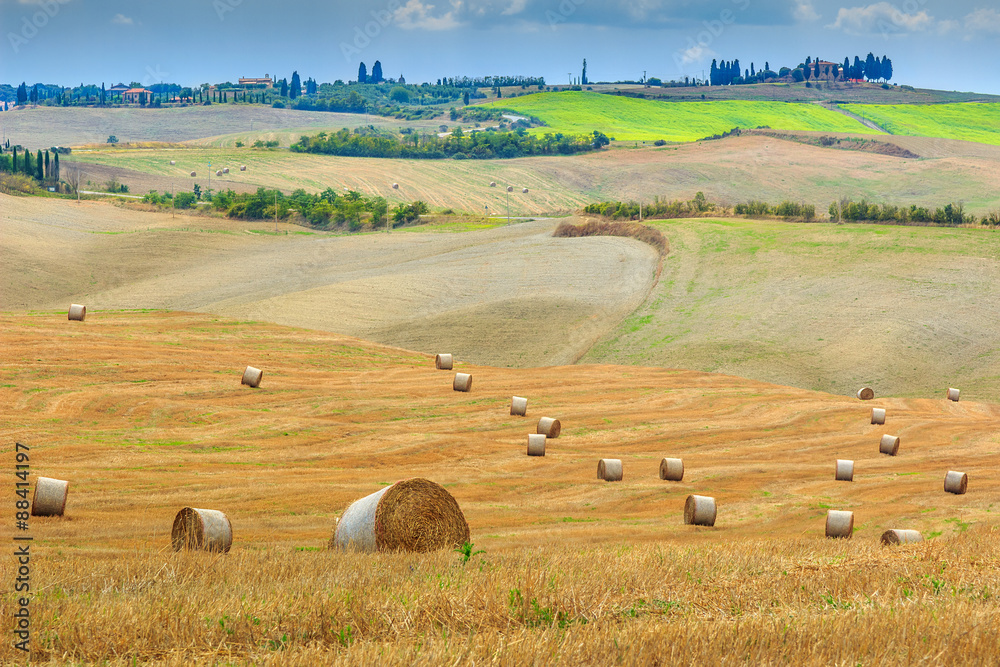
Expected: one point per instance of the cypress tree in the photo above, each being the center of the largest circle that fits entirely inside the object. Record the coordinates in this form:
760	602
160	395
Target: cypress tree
55	168
39	174
48	169
13	169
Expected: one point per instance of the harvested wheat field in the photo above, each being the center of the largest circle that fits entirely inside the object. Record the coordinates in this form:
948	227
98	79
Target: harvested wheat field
144	414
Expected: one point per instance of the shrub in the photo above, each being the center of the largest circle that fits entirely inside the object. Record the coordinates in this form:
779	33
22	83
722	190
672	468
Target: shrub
633	230
184	200
660	142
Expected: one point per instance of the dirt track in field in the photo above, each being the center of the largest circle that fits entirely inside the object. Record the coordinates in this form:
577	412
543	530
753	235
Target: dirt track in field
144	414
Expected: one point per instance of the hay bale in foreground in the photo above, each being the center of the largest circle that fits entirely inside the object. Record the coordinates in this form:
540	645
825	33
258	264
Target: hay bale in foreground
193	174
463	382
896	536
610	470
252	377
77	312
536	444
243	167
889	445
49	498
411	515
202	530
878	415
518	406
173	162
550	428
839	524
953	394
444	362
672	470
845	471
866	393
956	482
225	170
699	511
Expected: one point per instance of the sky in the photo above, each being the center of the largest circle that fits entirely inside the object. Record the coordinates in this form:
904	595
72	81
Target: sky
932	43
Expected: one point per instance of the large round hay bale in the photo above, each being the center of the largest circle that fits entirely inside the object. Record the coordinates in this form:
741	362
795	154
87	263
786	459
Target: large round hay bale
243	167
444	362
395	186
412	515
49	498
699	511
672	470
889	445
463	382
252	377
77	312
610	470
956	482
536	444
510	188
845	471
203	530
896	536
878	415
173	162
839	524
549	427
493	184
953	394
225	170
218	172
525	191
193	174
518	406
866	393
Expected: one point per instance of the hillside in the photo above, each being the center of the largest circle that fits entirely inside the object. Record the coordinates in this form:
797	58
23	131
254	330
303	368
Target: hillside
628	119
143	413
966	122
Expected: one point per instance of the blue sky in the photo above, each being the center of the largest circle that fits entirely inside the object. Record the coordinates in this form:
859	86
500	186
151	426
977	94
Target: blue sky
932	43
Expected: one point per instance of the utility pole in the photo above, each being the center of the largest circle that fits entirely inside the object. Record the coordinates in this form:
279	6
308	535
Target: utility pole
275	211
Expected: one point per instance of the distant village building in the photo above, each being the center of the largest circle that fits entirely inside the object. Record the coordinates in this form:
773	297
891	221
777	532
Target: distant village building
266	82
135	95
118	89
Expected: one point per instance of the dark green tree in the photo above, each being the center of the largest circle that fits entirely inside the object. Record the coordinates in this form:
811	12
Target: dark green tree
583	79
870	72
39	171
55	168
362	73
376	76
816	71
22	94
465	98
48	169
13	168
284	88
296	88
886	68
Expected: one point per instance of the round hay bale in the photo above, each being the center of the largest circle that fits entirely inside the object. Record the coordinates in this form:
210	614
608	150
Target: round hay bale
443	362
878	415
510	188
672	470
699	511
202	530
536	444
896	536
549	427
518	406
173	162
225	170
395	186
49	498
839	524
610	470
845	471
193	174
953	394
252	377
889	445
77	312
956	482
525	191
412	515
463	382
243	167
866	393
493	184
218	173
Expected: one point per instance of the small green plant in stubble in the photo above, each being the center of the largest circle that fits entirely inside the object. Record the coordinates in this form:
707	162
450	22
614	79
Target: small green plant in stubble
466	552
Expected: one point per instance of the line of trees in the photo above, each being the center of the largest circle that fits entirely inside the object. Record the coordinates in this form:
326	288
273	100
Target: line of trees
871	68
484	145
44	168
864	211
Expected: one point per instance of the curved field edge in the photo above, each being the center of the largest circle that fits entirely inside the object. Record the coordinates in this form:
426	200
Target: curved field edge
971	121
630	119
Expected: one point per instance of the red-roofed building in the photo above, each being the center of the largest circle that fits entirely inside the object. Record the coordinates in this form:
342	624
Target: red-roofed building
137	95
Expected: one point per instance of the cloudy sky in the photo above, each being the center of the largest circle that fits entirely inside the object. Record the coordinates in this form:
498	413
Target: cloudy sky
932	43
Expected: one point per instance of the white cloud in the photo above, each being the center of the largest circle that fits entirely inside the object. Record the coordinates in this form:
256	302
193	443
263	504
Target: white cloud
416	15
804	11
121	19
983	20
516	7
696	54
881	17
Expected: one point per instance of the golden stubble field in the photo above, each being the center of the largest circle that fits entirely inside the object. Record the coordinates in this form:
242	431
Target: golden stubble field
144	414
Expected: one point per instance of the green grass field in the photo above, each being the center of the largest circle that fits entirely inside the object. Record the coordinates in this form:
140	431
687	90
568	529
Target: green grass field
628	119
966	122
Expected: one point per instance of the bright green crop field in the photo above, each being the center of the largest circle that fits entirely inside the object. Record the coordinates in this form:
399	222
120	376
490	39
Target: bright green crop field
629	119
966	122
